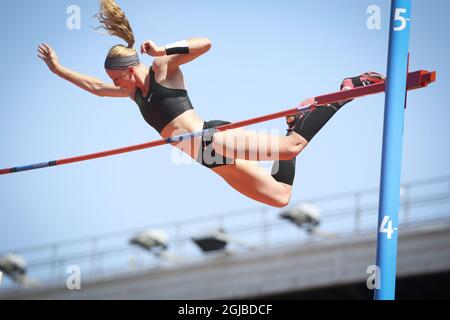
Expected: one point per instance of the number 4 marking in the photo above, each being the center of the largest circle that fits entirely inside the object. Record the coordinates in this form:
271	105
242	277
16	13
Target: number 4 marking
388	230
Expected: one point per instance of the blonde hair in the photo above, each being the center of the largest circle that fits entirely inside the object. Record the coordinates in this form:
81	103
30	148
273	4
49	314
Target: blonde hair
115	22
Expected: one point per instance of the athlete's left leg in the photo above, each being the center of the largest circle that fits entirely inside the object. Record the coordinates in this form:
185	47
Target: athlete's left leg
253	181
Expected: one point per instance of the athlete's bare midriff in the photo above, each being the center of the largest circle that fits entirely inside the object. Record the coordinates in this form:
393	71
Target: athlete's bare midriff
188	121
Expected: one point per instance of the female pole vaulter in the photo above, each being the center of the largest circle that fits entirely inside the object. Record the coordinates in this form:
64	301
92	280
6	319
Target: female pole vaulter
159	92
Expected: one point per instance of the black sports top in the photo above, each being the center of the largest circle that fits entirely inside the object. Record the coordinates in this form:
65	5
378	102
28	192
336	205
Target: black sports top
162	104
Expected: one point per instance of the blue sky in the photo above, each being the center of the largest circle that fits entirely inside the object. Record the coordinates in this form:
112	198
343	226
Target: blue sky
266	56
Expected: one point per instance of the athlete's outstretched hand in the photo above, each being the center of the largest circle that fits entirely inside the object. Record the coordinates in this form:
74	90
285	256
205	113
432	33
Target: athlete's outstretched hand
46	53
150	48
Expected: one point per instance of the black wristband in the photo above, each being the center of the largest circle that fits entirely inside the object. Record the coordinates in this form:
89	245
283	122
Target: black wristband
179	47
177	50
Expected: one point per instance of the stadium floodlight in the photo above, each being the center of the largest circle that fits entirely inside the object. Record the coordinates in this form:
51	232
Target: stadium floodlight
308	217
151	240
217	240
154	241
305	215
15	267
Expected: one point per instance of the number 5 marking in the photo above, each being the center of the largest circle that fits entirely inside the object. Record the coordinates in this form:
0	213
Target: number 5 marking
399	17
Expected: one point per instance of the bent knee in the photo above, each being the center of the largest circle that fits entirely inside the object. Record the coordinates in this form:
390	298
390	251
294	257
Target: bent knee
283	198
295	143
280	203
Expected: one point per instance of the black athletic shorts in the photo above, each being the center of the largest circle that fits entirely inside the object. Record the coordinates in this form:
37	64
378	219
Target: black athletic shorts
207	156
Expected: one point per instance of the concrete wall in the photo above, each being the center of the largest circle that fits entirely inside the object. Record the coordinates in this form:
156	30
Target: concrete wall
317	264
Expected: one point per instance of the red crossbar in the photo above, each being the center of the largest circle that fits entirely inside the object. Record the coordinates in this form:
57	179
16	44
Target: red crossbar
416	80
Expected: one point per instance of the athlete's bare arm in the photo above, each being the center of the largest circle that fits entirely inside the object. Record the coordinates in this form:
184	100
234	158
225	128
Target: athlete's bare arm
85	82
197	47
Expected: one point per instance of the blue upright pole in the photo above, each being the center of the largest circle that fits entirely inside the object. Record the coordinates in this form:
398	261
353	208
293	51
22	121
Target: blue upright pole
389	202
